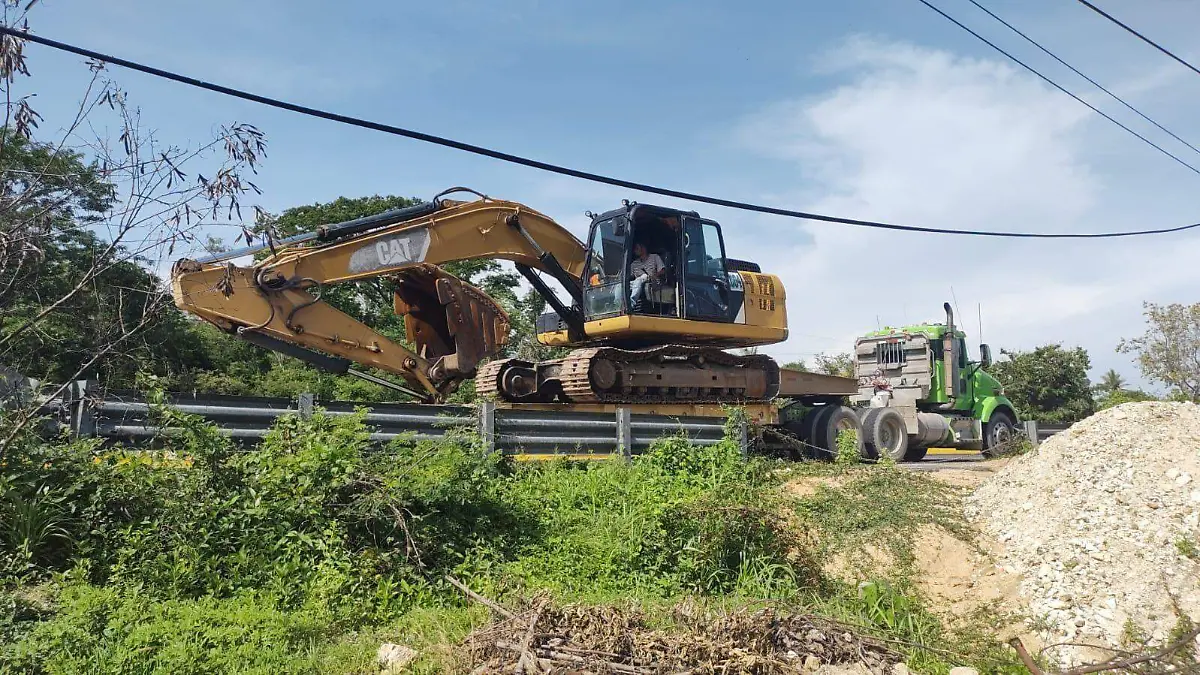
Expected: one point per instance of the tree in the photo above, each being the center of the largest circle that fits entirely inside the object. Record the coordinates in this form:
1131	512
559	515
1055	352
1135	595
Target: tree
841	364
1115	398
1111	382
796	365
84	212
1169	350
1048	384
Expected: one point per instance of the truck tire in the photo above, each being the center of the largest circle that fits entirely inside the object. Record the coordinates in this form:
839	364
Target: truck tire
867	419
997	431
810	427
838	418
886	431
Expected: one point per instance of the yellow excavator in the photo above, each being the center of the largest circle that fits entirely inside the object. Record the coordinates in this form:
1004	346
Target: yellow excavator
660	338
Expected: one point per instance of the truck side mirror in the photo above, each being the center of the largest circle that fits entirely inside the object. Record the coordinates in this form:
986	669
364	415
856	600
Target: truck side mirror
985	356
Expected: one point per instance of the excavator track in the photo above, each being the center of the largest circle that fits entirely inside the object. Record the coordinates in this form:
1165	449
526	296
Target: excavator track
487	378
667	374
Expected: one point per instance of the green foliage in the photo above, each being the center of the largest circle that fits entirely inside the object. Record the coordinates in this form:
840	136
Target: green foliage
35	529
49	216
198	552
1169	350
1110	399
900	615
679	519
799	365
1110	382
1048	384
104	630
841	364
847	448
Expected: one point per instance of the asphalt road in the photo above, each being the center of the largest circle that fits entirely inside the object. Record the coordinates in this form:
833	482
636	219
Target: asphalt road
940	459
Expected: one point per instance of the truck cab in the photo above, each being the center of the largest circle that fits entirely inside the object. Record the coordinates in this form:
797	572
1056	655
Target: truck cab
938	395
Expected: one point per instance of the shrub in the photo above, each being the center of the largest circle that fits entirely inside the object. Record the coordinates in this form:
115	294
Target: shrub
847	448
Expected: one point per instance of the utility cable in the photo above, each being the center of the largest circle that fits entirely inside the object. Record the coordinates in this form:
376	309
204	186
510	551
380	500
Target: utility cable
1057	86
1080	73
1141	37
562	170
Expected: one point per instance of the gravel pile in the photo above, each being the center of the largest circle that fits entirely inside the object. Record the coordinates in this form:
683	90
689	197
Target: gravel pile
1101	520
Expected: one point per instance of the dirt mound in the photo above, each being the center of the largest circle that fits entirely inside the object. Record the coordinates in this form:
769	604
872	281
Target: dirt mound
579	639
1102	521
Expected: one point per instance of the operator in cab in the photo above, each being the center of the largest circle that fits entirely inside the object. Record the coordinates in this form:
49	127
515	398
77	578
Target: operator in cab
645	269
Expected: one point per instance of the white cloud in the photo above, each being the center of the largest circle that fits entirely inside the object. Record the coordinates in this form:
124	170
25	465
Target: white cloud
920	136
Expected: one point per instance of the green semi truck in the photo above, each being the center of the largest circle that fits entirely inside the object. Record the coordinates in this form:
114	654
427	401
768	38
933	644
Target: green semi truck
919	389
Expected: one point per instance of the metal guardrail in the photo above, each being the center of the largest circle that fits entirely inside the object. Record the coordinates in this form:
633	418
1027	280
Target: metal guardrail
125	416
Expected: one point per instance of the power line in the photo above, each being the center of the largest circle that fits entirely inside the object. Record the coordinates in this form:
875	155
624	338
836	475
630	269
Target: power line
562	170
1057	86
1080	73
1143	38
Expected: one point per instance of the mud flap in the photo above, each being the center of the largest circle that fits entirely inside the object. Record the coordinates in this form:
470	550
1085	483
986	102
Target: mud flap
450	323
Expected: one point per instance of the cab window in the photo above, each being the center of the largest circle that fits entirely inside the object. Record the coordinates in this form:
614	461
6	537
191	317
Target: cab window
606	259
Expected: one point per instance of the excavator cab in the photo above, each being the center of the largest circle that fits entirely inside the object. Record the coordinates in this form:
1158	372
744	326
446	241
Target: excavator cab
696	281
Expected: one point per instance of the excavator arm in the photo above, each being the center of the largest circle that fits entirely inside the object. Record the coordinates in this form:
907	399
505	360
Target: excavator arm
450	324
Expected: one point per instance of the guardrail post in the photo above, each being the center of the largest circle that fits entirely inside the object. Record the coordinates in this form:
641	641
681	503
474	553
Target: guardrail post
304	404
1031	431
625	433
83	413
743	436
487	426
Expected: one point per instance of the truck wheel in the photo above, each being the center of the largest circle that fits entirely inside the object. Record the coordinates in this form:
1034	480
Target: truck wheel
867	420
998	430
810	428
887	433
839	419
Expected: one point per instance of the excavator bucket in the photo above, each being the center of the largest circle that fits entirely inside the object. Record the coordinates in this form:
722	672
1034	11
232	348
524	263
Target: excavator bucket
451	323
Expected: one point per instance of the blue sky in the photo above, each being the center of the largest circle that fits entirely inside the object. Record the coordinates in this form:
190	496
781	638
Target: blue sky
869	108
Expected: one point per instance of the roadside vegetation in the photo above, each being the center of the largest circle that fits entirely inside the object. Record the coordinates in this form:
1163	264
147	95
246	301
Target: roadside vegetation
308	552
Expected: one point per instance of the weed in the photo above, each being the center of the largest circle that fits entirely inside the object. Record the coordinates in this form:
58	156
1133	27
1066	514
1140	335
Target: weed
1187	548
35	529
881	506
847	448
1133	636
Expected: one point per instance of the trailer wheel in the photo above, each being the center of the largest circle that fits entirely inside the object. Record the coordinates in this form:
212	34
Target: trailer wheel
999	430
810	432
839	418
888	434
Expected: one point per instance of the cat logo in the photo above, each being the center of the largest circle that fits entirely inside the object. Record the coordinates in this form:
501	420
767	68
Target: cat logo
395	251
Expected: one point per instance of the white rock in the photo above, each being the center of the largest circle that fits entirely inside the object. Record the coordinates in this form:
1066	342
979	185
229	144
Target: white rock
963	670
394	658
1183	479
899	669
1172	473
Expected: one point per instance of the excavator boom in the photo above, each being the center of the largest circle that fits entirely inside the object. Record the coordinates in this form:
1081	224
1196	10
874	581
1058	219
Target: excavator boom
452	325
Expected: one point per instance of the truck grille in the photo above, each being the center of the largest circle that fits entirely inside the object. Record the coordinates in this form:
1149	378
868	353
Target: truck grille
890	354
